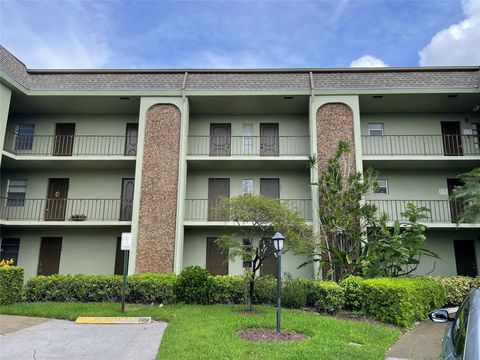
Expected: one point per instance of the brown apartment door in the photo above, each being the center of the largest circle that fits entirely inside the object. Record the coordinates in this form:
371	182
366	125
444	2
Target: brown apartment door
119	256
49	259
131	137
216	260
465	257
452	140
128	186
270	188
220	139
269	265
64	136
269	140
56	205
217	189
456	206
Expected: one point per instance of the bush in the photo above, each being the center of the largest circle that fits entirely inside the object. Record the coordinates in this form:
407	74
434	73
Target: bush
11	284
329	296
456	287
295	293
353	292
265	290
227	290
193	286
84	288
401	301
151	288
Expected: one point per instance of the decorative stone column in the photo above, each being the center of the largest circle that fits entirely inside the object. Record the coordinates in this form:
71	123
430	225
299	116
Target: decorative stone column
158	200
334	123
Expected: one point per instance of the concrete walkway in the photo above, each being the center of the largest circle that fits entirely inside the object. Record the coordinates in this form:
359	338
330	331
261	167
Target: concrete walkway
424	342
60	339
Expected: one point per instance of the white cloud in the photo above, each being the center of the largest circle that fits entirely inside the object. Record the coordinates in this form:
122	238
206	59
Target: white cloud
57	35
459	44
368	61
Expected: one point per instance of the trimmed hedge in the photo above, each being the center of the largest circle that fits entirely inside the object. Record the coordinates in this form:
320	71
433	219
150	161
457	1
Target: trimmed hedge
11	284
151	288
329	296
400	301
353	292
456	287
227	290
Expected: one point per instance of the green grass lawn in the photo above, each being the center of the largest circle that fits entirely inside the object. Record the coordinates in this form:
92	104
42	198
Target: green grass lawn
209	332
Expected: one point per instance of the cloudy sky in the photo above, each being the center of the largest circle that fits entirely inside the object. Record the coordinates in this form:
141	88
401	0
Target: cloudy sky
224	34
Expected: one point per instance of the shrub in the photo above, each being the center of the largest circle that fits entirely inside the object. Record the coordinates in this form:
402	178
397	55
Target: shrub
11	284
353	286
85	288
193	286
456	287
227	290
265	290
329	296
295	293
401	301
151	288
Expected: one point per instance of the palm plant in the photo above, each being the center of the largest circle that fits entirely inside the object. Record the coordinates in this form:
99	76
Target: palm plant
469	195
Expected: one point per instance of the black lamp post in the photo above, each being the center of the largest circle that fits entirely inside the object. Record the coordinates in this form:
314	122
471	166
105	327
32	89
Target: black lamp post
278	244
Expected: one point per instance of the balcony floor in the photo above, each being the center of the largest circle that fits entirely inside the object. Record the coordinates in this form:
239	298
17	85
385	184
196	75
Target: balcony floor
401	162
42	223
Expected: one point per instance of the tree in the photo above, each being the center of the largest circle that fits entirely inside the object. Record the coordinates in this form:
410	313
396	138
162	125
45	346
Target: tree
396	250
469	195
343	217
258	218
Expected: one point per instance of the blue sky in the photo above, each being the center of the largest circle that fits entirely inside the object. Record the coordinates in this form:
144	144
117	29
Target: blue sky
213	34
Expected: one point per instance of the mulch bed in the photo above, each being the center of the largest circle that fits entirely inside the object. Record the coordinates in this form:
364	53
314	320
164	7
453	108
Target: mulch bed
269	335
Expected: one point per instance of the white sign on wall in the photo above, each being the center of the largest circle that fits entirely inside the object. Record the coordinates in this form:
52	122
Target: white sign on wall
126	243
443	191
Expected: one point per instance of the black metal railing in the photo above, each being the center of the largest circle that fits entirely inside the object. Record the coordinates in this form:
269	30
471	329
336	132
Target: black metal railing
445	145
249	145
66	209
441	211
69	145
206	209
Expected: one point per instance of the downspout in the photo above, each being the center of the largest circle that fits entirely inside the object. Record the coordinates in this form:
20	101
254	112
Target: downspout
314	170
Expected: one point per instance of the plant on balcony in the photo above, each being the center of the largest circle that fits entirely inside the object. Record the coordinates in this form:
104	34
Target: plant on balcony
78	217
258	218
396	250
469	195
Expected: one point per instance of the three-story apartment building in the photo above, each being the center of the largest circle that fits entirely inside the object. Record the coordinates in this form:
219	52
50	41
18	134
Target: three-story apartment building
89	154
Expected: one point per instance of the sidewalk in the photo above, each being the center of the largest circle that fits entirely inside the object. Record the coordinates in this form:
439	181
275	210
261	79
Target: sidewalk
424	342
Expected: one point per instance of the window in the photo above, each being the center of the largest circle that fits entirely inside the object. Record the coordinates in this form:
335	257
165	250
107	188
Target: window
24	139
375	129
382	186
247	259
16	192
248	138
247	186
9	249
459	328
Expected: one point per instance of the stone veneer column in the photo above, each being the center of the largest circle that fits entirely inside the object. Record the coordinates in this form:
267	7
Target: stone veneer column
158	200
334	123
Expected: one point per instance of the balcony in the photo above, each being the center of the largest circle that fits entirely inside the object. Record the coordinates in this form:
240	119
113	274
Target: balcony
201	210
422	145
71	211
249	146
441	211
70	145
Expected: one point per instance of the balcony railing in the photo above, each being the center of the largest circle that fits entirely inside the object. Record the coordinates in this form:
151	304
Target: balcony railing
66	209
249	145
70	145
205	209
441	211
443	145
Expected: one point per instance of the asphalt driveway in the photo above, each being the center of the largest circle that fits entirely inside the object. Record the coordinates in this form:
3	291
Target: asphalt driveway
42	339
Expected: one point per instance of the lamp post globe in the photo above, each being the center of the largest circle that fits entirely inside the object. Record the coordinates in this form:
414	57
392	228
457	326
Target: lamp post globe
278	241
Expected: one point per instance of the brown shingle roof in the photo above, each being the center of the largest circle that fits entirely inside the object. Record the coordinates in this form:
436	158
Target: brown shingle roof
254	79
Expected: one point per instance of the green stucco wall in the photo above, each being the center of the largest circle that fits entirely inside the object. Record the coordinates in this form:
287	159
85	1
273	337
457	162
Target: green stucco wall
5	95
